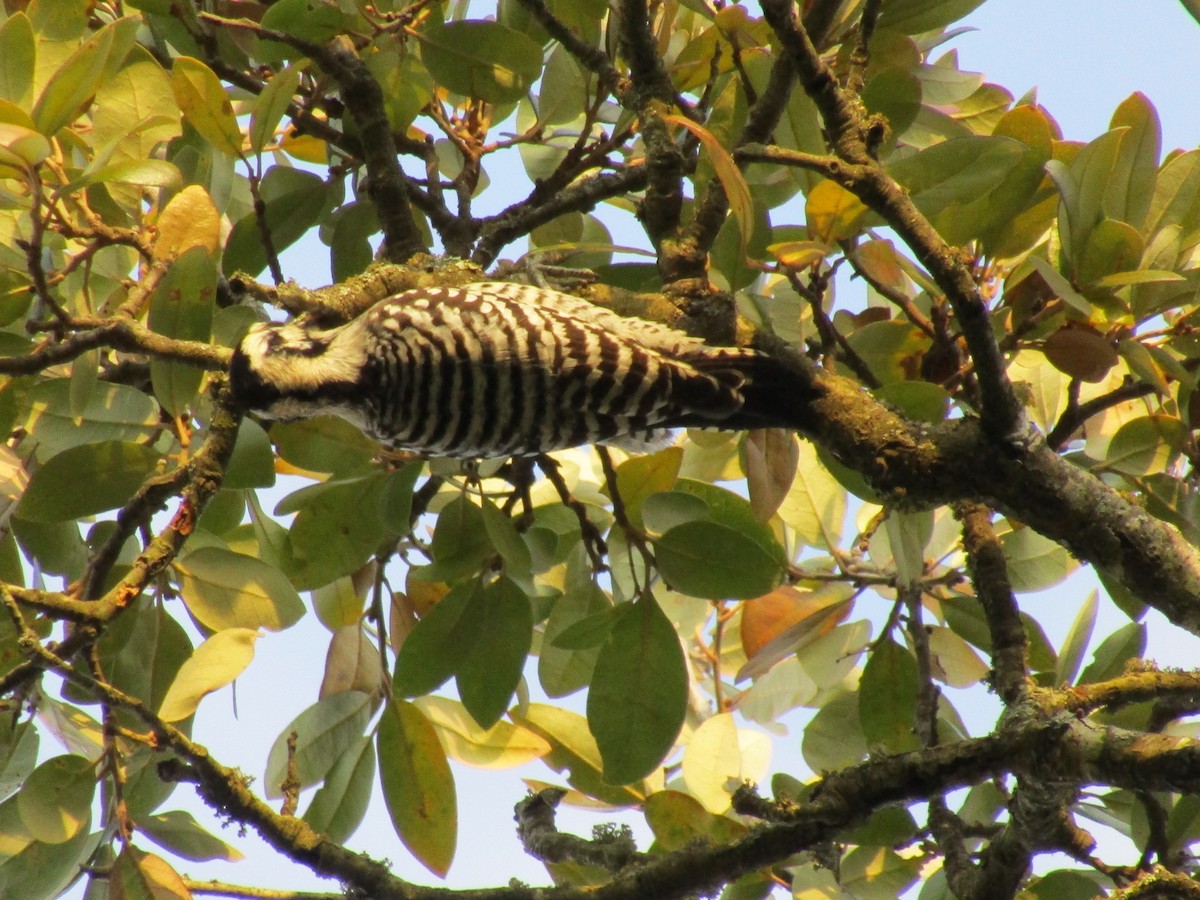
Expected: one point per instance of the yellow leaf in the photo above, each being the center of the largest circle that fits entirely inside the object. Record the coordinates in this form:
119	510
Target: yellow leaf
832	212
502	746
189	220
203	100
737	192
214	664
720	757
799	254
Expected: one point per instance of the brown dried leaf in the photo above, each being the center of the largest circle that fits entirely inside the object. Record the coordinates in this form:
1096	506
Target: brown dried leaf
352	664
1081	353
772	455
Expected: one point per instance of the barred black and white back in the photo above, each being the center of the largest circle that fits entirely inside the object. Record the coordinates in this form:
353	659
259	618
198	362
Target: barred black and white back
493	369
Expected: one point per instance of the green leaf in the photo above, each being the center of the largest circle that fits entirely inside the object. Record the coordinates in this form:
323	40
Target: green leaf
18	754
1176	199
662	512
214	664
574	750
834	738
418	787
339	805
142	651
1076	641
552	537
135	113
460	542
295	202
56	800
86	480
179	832
641	476
71	88
506	541
324	733
22	148
481	59
252	464
951	181
112	412
56	546
561	670
1035	562
310	20
323	444
917	16
33	868
442	638
1131	186
727	508
1126	643
396	497
18	50
638	696
338	527
887	698
182	308
223	590
488	673
1145	445
204	103
156	173
710	560
272	103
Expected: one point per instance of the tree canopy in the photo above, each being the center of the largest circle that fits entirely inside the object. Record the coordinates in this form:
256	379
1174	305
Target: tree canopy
990	339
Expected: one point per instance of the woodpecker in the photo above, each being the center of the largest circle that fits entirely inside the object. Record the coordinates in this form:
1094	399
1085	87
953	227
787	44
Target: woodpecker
496	369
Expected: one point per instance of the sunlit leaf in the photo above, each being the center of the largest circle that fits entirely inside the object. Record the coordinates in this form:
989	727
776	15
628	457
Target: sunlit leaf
1073	647
204	103
720	757
481	59
85	480
574	750
56	799
190	219
501	746
214	664
224	590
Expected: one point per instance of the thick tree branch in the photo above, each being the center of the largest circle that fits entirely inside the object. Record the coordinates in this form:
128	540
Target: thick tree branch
922	466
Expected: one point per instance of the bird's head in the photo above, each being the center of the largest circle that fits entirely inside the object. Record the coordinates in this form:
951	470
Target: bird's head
295	370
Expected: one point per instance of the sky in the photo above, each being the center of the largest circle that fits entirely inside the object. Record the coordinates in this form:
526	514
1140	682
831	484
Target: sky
1083	57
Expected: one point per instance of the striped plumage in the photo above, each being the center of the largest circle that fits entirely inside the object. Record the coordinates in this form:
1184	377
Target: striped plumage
493	369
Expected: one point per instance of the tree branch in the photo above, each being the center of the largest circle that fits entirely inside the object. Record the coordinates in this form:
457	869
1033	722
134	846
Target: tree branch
853	137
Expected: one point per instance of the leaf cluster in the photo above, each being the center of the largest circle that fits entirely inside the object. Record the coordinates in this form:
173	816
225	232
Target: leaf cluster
1011	393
